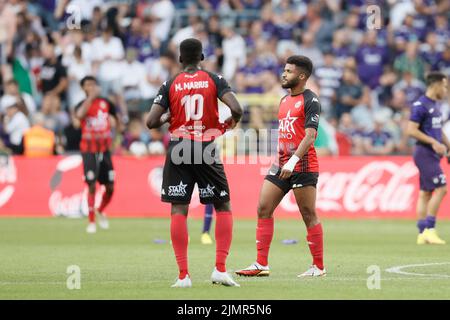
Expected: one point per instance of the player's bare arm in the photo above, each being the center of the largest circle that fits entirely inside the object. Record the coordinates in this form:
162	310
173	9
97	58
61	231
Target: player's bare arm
305	144
236	110
94	93
413	131
157	116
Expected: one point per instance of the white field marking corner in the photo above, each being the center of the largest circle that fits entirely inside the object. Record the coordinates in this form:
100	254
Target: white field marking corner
398	270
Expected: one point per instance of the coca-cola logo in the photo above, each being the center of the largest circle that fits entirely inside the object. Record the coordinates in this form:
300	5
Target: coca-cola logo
69	199
382	186
8	178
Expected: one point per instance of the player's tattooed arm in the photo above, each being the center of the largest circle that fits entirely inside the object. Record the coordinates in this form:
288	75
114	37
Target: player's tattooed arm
236	110
413	131
157	116
303	147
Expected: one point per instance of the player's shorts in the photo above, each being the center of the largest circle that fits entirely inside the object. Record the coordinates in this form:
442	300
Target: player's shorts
187	163
296	180
98	167
430	171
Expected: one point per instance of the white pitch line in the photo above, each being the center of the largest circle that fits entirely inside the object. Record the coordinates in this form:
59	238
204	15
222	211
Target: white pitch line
398	270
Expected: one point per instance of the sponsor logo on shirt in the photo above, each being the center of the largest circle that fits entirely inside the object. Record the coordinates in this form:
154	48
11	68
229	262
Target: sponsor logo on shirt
286	126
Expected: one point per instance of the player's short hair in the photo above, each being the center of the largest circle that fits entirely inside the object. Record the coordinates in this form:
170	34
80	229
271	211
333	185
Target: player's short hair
302	62
434	76
87	78
191	51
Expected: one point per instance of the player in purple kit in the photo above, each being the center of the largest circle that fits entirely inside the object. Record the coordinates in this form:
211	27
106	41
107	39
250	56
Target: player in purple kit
425	125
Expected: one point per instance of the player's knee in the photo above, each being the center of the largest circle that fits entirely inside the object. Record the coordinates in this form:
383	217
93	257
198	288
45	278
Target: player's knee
264	211
109	190
442	190
180	209
307	212
222	207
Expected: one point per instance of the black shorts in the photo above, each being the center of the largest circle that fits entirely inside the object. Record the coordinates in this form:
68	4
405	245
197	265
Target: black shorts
98	167
296	180
187	163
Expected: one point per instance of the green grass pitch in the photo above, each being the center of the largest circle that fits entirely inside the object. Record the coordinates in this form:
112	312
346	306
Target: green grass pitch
125	263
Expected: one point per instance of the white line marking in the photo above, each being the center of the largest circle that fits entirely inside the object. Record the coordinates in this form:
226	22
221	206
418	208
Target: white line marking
398	270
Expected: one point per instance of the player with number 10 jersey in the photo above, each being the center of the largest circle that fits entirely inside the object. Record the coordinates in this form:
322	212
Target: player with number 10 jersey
189	103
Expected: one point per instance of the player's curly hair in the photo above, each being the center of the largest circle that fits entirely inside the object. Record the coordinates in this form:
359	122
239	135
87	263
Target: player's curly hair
191	51
302	62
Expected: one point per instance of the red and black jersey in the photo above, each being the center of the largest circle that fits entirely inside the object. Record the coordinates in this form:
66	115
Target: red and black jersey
192	101
297	113
96	135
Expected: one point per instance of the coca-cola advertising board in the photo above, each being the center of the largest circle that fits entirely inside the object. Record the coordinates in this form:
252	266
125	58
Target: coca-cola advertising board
349	187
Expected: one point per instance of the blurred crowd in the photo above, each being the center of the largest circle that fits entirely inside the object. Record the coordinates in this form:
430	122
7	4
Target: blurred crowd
368	69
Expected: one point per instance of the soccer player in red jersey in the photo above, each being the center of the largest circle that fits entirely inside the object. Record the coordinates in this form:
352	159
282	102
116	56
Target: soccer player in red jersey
189	102
297	168
96	137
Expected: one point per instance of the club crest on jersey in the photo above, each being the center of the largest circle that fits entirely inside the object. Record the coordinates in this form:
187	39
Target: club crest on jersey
286	126
298	104
102	105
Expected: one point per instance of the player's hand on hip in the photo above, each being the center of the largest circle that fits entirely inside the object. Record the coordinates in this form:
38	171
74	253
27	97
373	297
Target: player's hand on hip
439	148
230	123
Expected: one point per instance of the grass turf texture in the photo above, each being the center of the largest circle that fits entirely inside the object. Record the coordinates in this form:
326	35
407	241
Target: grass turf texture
125	263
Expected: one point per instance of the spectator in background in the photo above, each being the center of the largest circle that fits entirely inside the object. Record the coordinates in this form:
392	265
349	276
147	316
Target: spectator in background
234	53
320	28
309	49
328	77
37	140
15	123
25	100
413	88
442	30
109	55
410	61
77	68
352	133
430	50
341	48
54	80
136	139
162	12
379	141
370	59
349	93
443	63
133	78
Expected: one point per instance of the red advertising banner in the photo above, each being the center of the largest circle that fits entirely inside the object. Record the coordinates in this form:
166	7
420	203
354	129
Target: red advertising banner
350	187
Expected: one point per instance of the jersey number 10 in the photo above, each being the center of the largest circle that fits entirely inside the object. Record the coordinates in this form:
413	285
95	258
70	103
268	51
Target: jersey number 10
193	106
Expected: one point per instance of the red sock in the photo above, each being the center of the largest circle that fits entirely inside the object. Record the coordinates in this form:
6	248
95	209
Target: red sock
315	243
264	235
179	237
224	234
105	201
91	205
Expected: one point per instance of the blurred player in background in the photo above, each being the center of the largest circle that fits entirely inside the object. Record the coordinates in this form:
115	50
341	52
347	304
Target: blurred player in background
189	102
207	221
425	125
96	137
297	168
